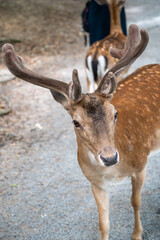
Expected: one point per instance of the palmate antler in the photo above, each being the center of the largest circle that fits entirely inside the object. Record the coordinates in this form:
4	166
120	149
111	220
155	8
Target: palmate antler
65	93
60	90
132	50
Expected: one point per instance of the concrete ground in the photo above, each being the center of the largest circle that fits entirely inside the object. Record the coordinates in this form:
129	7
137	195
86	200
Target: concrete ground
43	193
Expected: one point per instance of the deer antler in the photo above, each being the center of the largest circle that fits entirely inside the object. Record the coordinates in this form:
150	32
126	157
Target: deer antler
16	65
132	50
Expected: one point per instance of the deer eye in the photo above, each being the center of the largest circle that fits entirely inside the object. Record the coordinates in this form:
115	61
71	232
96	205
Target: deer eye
76	124
115	116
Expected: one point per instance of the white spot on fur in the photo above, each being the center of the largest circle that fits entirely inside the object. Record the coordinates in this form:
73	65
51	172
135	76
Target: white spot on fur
101	71
101	66
90	75
92	158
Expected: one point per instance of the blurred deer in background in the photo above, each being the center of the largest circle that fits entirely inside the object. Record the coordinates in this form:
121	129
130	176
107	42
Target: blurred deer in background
110	149
98	59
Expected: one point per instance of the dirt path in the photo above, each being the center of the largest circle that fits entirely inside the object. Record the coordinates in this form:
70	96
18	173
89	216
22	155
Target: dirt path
44	27
43	194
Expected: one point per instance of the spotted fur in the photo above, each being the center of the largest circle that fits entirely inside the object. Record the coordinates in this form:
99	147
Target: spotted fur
98	59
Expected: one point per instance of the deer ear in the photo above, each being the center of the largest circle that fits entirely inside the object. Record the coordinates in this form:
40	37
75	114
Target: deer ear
74	92
109	84
60	98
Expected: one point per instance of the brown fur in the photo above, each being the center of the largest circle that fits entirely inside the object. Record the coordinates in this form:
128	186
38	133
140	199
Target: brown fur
99	137
116	40
134	136
136	99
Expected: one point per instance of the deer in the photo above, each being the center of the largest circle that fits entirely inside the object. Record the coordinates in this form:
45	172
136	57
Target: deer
116	126
98	59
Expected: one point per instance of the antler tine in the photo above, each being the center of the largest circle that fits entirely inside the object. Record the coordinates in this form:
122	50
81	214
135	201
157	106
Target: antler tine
132	50
131	41
16	65
75	91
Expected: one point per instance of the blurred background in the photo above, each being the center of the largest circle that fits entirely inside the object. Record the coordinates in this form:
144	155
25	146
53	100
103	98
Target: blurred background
43	194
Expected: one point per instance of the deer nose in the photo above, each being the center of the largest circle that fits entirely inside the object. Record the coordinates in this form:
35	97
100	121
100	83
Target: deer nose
109	161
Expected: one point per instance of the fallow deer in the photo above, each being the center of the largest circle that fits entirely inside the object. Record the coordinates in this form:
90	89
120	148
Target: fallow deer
98	59
110	148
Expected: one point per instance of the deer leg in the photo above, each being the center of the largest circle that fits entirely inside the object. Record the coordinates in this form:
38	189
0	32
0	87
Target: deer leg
88	85
102	200
137	183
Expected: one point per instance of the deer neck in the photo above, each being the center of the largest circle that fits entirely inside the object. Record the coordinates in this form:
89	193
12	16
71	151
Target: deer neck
115	21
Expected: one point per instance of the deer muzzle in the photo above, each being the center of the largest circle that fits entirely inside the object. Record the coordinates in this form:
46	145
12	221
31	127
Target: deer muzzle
110	158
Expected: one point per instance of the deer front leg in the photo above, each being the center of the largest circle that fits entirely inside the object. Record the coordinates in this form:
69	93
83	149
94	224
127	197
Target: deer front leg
102	200
137	183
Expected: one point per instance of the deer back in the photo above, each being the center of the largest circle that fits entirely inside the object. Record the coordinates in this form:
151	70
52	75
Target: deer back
137	101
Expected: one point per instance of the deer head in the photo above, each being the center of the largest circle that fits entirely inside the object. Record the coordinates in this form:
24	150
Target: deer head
94	117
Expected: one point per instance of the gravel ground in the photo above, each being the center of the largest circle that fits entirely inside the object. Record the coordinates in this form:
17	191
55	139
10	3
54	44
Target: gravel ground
43	193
